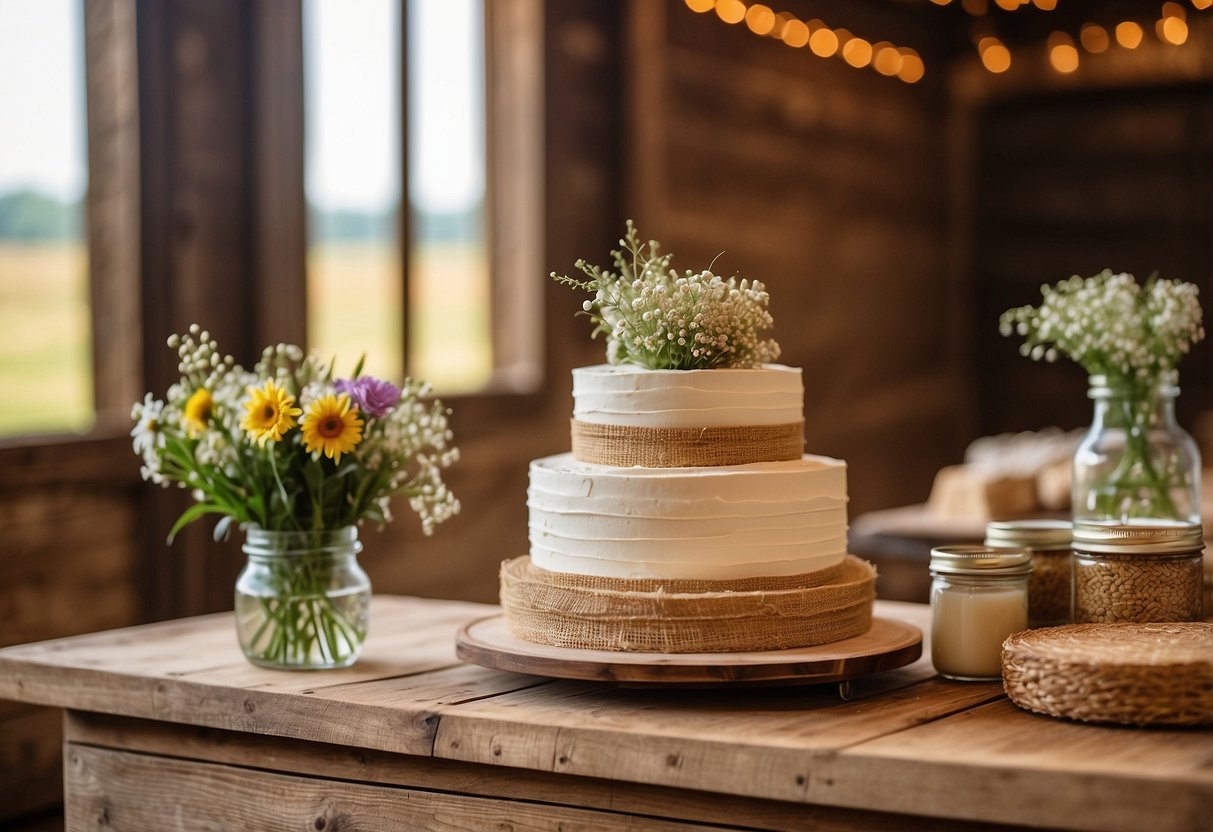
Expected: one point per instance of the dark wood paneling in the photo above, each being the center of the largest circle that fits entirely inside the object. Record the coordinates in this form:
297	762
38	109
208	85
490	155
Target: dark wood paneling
1072	183
827	183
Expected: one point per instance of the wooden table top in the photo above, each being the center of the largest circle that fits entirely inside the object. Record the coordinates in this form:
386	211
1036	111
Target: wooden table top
907	741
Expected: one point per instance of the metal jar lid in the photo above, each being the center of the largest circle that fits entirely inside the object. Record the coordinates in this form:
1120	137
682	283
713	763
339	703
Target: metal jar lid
1147	537
1030	534
980	560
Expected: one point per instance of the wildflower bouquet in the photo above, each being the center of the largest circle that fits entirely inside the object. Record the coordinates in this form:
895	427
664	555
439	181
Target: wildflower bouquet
657	319
287	448
1129	338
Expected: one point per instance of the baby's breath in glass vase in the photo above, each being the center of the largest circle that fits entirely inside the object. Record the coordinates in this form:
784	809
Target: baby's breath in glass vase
1135	460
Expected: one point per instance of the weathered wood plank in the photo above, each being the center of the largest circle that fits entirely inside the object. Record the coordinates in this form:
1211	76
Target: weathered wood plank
191	671
1115	778
756	743
361	765
113	789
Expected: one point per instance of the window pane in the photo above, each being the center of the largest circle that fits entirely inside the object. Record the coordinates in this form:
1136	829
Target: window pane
45	342
352	178
354	153
449	304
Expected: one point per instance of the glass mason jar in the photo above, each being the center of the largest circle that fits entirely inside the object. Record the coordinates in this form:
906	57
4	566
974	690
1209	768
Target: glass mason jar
1135	460
979	596
1047	542
1144	571
302	600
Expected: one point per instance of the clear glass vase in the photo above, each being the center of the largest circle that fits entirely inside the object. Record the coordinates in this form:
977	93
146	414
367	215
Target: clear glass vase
1135	460
302	600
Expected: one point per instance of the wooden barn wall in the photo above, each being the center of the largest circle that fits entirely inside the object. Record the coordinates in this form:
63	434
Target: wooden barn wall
1073	182
828	184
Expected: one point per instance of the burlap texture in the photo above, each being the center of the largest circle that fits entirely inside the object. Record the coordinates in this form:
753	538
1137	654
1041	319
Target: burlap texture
627	446
547	608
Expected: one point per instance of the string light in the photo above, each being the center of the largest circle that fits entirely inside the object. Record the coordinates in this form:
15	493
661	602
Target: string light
1128	34
912	67
995	56
1062	53
823	42
760	19
730	11
795	33
1171	27
857	52
887	60
1094	38
1173	30
701	6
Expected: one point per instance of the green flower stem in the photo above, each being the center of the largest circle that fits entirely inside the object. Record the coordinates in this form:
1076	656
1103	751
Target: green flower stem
1136	416
300	622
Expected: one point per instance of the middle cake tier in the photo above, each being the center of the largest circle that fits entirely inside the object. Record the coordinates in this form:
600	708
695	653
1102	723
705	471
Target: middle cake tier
726	523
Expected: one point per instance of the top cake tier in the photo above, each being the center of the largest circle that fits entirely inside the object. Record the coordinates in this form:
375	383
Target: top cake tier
629	416
633	396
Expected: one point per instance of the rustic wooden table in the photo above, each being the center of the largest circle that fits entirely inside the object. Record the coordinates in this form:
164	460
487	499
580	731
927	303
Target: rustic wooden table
167	727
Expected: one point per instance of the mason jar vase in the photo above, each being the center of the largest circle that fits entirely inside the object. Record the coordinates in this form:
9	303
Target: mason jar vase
1136	461
302	600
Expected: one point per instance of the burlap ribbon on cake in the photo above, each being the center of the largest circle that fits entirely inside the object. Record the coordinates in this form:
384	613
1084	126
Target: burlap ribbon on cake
626	445
593	613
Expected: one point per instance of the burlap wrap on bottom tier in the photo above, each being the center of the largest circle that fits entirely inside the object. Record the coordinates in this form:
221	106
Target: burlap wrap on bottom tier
592	613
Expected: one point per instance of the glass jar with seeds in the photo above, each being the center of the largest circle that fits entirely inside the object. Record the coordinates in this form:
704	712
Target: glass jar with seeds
1047	542
1143	571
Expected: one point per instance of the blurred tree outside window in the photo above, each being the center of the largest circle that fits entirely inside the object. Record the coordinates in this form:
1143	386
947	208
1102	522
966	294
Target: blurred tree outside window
354	151
46	383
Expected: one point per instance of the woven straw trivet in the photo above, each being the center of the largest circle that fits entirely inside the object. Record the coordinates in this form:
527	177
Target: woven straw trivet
546	608
1133	674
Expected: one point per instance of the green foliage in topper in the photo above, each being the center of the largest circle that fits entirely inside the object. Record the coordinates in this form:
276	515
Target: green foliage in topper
655	318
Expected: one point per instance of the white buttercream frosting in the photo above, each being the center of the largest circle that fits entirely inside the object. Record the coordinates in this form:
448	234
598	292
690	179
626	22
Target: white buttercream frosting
761	520
627	395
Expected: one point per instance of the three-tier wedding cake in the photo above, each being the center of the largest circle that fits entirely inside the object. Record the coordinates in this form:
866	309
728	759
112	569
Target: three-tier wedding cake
687	517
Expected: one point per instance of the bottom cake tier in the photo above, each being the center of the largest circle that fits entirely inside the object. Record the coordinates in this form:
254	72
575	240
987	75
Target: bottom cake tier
649	616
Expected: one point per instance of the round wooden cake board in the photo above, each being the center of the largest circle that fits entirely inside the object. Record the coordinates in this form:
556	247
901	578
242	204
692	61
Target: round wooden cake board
887	645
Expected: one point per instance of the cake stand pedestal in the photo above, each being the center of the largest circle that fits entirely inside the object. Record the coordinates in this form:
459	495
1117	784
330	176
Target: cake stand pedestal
887	645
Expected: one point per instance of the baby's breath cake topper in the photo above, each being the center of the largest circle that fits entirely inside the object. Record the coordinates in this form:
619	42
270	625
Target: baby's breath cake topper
655	318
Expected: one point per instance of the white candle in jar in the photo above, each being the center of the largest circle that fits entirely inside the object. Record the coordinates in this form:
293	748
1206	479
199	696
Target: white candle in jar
979	596
969	626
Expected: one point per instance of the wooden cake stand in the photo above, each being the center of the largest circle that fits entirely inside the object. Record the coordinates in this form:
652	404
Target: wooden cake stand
887	645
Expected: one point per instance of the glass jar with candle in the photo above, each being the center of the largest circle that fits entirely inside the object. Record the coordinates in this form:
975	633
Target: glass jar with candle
979	596
1048	544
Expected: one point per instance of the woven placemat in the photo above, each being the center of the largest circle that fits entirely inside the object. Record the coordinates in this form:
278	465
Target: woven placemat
546	608
1132	674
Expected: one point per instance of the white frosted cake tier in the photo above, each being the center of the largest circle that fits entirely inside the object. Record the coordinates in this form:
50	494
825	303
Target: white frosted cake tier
627	395
766	519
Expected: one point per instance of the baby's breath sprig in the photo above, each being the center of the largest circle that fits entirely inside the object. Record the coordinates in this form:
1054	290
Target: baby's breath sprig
654	318
1110	325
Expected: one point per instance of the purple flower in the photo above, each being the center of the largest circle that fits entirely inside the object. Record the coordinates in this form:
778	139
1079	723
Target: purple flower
373	397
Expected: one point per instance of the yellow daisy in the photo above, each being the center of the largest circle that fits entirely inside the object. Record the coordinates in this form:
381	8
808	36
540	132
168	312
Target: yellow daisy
197	413
271	413
331	425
